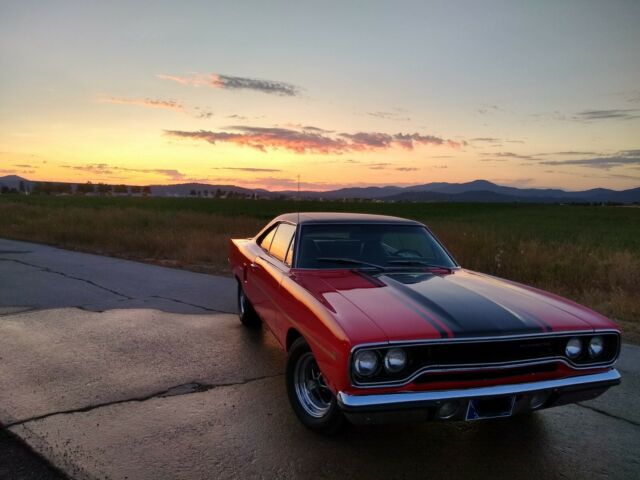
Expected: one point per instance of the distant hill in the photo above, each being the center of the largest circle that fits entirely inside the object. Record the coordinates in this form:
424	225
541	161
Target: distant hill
482	191
475	191
13	181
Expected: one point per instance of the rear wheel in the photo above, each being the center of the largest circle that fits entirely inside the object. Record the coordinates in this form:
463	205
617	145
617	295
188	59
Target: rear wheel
311	399
246	312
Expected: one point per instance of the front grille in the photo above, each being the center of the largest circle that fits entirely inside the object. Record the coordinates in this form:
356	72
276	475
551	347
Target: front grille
503	351
480	375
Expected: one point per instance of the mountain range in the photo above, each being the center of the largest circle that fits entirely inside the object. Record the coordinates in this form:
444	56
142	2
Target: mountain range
475	191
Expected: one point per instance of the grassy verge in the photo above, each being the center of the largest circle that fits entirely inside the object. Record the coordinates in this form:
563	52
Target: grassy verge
588	254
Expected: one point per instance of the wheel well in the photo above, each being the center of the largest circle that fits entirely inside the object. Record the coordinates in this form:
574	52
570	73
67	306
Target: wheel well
292	336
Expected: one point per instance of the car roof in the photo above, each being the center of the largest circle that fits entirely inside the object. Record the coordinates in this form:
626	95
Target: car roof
341	217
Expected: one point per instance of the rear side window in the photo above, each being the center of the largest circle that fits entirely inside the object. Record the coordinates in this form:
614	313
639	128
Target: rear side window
268	238
282	240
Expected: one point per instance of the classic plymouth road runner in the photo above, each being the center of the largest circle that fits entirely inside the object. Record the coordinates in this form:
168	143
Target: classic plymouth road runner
381	324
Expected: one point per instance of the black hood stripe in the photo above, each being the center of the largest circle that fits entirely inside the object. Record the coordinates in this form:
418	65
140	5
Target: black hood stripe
465	312
532	318
439	326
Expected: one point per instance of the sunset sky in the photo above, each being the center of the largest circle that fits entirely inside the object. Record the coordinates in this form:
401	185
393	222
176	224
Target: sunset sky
536	93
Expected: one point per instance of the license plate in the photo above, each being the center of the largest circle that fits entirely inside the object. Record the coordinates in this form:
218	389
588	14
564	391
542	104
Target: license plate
495	407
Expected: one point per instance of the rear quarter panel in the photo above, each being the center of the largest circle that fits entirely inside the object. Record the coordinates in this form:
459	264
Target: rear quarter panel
242	252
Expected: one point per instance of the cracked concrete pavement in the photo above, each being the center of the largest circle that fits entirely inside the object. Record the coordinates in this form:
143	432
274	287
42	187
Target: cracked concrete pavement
115	369
40	277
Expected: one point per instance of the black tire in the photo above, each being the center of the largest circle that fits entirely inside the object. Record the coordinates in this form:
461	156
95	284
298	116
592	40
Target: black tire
317	409
248	316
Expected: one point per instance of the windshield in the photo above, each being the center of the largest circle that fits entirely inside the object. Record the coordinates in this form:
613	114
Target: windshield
373	245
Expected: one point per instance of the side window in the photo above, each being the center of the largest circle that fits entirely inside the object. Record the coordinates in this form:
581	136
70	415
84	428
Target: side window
281	240
268	238
289	259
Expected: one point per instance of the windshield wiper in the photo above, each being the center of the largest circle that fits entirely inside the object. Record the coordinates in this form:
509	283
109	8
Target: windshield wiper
418	262
352	261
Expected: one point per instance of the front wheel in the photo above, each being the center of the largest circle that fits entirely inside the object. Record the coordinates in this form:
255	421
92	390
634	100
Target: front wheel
311	400
248	315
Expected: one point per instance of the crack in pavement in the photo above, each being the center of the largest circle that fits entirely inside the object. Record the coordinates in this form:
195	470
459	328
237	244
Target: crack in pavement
66	275
177	390
190	304
608	414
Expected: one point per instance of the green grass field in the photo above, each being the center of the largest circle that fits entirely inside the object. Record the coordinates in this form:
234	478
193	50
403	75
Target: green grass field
590	254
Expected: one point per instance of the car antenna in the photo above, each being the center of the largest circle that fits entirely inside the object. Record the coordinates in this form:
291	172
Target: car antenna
298	200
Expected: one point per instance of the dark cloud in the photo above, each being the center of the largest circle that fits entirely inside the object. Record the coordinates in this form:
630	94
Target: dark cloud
202	112
369	140
488	109
566	152
266	86
485	139
309	128
622	158
626	177
311	140
503	156
99	168
376	140
406	169
612	114
24	165
378	166
229	82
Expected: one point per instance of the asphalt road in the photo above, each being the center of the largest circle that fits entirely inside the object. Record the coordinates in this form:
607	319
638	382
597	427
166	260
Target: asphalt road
115	369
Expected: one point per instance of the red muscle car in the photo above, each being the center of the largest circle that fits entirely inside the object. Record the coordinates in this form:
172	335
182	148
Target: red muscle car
381	324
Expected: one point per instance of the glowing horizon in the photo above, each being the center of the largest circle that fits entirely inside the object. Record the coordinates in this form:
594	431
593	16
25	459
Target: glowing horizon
516	95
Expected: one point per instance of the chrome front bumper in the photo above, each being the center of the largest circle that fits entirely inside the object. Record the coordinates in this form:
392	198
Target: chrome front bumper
380	408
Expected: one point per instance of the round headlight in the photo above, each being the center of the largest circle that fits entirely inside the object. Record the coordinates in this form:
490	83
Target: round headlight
596	347
573	348
395	360
365	362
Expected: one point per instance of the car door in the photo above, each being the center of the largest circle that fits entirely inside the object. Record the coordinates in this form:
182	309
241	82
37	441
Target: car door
270	269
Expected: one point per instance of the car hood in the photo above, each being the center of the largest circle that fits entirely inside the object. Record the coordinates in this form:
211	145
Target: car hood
421	305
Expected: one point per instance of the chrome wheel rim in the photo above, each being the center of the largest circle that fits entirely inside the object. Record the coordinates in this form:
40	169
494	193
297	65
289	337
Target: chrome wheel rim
313	394
241	300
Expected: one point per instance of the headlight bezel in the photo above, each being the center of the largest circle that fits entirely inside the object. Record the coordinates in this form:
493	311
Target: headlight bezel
590	347
395	369
360	353
573	348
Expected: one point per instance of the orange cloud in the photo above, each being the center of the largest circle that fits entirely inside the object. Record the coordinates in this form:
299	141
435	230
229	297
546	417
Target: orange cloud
314	141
